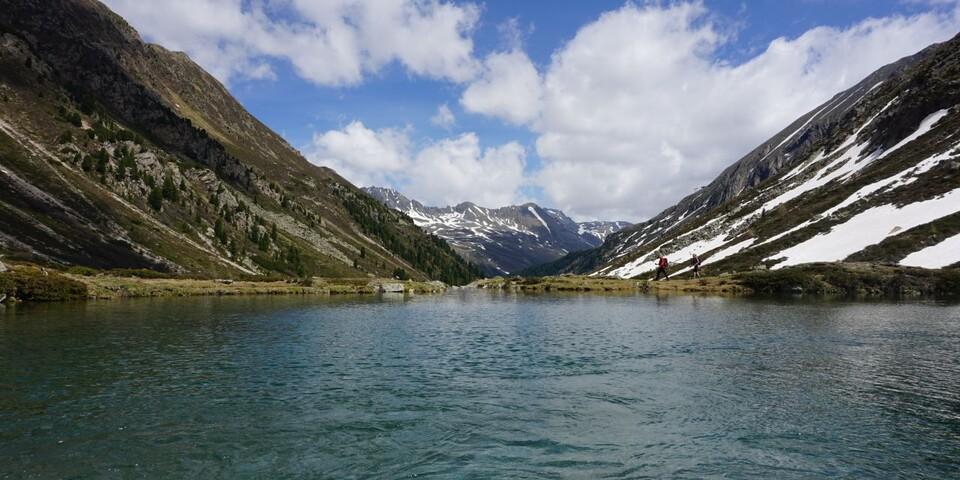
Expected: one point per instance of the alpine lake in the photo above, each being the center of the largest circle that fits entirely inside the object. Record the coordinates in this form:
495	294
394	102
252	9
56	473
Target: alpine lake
477	384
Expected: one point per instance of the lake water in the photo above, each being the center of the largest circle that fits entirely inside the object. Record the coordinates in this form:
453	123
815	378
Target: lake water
480	385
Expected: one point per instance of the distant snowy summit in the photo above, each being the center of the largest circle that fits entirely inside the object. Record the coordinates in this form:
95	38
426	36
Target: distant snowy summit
505	240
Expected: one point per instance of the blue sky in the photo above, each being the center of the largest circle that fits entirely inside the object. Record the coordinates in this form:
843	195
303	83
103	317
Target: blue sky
297	108
595	142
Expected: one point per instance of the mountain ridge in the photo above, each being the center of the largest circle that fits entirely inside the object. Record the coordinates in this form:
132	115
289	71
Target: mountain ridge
503	240
120	154
740	222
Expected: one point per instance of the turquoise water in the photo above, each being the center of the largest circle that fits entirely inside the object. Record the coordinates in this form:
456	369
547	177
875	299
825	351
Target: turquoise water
474	385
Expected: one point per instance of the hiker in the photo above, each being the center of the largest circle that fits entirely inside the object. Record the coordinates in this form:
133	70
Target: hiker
662	268
696	265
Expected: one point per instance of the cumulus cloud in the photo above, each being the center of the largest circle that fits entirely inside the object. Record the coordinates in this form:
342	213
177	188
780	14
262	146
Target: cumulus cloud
456	170
444	117
333	42
509	87
637	112
445	172
631	114
364	156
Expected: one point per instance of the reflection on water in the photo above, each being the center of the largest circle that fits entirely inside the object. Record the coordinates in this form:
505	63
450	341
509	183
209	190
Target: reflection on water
480	385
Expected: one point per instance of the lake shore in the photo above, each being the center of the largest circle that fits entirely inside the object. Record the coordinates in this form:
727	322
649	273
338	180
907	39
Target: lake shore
724	285
852	280
31	283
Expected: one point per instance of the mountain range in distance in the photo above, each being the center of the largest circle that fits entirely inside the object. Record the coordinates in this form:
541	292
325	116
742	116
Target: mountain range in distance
505	240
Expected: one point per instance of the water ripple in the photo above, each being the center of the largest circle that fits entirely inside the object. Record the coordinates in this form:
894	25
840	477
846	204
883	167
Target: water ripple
480	386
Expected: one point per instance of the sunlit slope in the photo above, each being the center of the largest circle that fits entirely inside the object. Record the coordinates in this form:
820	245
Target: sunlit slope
872	175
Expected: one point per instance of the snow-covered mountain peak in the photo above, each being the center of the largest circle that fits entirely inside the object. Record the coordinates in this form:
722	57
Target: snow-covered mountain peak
502	240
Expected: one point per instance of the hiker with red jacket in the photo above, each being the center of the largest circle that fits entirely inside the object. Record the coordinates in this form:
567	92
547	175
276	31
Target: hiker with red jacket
662	264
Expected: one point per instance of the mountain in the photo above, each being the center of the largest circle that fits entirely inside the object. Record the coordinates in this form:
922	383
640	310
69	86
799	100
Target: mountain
119	154
872	175
505	240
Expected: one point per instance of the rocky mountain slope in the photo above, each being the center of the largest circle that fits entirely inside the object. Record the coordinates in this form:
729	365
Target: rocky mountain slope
872	175
502	240
119	154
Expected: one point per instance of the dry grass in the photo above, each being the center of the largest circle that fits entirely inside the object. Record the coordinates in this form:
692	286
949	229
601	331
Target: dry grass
110	287
575	283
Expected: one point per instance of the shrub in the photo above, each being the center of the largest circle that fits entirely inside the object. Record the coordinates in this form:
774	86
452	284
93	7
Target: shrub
139	273
81	270
34	286
948	283
787	280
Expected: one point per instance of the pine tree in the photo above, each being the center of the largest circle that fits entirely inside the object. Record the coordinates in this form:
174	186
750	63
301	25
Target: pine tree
219	231
169	189
155	199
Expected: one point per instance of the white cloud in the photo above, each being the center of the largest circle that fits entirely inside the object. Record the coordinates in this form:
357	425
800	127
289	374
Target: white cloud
446	172
333	42
457	170
637	112
508	88
631	114
444	117
364	156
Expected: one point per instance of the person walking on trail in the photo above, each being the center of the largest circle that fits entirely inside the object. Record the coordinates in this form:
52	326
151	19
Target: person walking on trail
696	265
662	264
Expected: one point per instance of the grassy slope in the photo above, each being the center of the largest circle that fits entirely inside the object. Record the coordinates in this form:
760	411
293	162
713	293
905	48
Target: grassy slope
192	123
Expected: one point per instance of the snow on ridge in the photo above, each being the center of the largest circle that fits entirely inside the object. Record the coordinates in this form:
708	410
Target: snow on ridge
940	255
642	265
729	251
535	214
795	132
892	182
925	126
867	228
843	167
906	177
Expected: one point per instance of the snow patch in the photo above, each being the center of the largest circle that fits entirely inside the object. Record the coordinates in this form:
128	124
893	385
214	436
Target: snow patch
940	255
925	126
868	228
535	214
729	251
